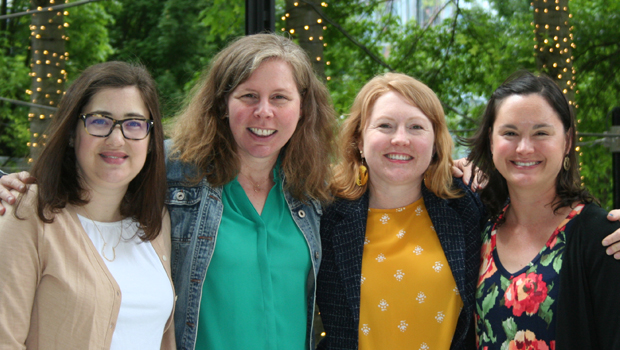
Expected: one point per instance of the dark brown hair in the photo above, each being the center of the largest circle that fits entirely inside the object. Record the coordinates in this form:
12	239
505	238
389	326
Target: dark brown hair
202	136
56	170
568	184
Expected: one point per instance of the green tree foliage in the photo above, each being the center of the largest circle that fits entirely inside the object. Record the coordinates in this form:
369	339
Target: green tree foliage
174	39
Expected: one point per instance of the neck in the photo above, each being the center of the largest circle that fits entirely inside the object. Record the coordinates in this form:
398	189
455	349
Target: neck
529	209
392	197
104	206
257	171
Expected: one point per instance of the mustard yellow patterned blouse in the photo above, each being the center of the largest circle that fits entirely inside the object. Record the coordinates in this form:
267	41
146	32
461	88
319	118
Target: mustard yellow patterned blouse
409	298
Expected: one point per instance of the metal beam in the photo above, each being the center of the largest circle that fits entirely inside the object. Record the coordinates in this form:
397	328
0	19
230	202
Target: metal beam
260	16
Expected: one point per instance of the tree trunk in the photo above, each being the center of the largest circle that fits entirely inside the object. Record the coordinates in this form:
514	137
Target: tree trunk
554	43
47	70
306	25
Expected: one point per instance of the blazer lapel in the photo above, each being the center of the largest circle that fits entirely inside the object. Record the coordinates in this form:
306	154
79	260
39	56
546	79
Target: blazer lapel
348	241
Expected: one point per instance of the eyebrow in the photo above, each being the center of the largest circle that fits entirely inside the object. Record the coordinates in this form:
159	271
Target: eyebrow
537	126
126	116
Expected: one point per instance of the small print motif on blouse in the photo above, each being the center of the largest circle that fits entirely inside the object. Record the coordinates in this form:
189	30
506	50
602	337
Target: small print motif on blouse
517	309
408	294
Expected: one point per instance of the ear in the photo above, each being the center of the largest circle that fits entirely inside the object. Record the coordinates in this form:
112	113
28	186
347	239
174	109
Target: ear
569	141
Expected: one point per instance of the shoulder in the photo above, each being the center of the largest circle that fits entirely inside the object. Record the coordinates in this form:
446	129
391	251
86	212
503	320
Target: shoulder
592	222
176	170
467	205
27	208
345	207
345	212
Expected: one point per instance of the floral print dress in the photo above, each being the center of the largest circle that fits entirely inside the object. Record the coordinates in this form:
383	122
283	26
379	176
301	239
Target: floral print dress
517	310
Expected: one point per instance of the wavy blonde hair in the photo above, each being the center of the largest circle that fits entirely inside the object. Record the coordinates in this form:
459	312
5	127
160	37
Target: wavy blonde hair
438	176
201	134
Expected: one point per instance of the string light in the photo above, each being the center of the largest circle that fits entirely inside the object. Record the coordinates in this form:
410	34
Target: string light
311	32
47	66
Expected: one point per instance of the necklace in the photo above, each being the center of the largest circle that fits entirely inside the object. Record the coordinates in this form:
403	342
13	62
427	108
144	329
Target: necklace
104	242
256	187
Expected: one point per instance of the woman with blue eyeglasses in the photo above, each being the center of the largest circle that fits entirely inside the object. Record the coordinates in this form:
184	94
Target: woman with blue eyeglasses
85	252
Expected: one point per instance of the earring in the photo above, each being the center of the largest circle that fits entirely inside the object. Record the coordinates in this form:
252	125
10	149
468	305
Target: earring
362	175
566	163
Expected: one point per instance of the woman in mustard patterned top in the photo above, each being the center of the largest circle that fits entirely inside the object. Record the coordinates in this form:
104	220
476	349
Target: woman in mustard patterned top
400	250
545	281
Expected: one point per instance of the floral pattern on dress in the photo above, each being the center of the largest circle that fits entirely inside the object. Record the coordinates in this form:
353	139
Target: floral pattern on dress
516	311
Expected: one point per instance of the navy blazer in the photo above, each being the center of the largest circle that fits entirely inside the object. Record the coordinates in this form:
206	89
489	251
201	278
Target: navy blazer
458	224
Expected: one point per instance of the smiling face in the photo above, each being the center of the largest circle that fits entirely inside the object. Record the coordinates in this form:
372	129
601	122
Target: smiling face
528	142
397	143
264	111
110	163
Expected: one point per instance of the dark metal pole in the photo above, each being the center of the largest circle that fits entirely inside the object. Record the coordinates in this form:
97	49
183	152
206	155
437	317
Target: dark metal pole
615	151
260	16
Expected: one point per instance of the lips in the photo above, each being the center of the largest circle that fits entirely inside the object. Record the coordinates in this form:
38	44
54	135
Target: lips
262	132
113	157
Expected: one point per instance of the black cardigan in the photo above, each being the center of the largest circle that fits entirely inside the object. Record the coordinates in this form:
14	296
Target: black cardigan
458	225
588	312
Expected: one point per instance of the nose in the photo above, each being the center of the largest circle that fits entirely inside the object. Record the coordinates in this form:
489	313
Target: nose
401	137
524	146
116	138
264	109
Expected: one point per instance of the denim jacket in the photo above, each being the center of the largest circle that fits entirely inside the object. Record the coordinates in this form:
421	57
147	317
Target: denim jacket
195	214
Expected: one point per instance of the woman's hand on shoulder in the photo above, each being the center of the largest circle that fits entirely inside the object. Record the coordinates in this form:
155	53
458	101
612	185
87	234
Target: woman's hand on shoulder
10	187
612	242
463	168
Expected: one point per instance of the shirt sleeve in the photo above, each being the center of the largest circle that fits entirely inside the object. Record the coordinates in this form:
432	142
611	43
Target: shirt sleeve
19	273
588	304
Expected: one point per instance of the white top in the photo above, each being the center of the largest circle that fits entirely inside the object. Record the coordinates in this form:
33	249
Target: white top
146	301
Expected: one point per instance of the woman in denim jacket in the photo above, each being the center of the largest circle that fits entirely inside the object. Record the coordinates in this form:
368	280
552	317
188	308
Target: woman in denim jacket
248	167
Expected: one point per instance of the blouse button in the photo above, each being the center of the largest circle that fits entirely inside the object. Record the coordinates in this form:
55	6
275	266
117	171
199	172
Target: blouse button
118	293
179	196
316	255
164	257
301	213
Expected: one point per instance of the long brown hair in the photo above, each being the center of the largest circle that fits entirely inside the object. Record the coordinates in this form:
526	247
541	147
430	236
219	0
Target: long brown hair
202	136
56	169
438	176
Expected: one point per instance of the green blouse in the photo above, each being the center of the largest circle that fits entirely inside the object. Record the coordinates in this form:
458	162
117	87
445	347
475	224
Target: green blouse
254	294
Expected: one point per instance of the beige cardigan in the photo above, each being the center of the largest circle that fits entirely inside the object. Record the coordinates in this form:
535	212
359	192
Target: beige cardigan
55	289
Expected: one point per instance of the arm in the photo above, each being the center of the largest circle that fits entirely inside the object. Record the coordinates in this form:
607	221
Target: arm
588	302
11	185
19	275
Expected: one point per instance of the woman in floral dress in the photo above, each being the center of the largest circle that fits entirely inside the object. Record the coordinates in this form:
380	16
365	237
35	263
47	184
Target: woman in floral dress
542	261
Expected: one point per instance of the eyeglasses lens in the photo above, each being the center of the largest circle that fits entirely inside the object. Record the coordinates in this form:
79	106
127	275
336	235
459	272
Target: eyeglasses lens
101	126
